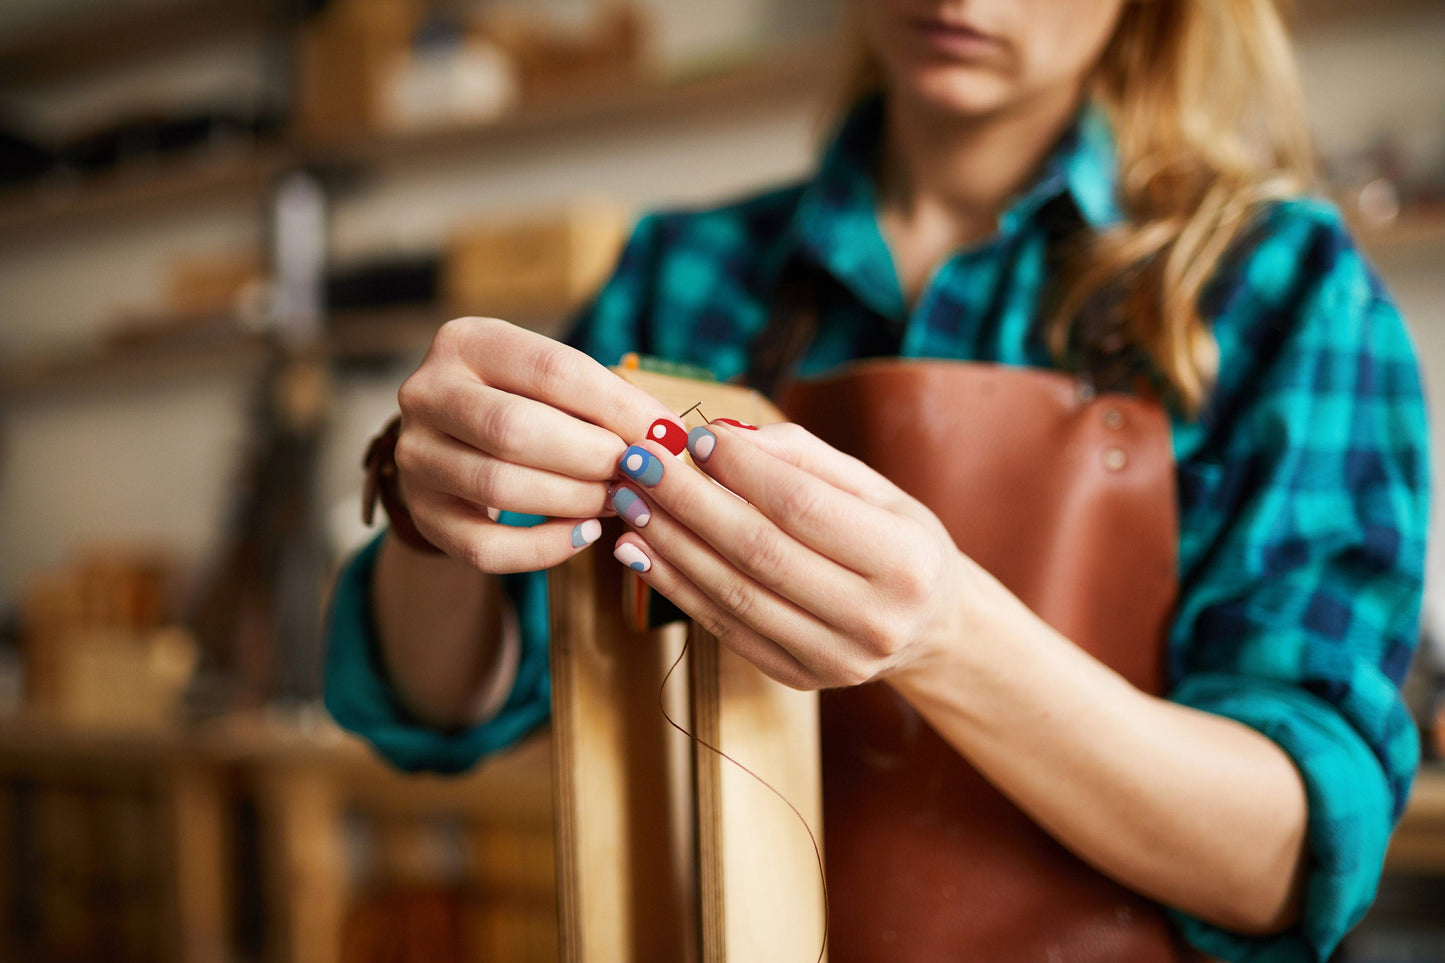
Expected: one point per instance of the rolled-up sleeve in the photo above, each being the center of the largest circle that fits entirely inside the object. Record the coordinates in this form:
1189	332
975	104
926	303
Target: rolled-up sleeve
1303	525
360	696
356	689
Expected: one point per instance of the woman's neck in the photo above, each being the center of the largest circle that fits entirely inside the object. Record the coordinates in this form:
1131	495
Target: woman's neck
945	180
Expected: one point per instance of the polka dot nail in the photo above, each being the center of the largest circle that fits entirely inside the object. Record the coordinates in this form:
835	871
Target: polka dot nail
630	507
633	557
701	442
641	465
585	533
668	435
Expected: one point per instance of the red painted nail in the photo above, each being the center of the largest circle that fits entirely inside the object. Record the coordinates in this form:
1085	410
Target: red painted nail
668	435
737	424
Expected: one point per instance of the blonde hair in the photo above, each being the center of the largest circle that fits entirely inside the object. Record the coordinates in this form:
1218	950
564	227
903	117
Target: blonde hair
1205	102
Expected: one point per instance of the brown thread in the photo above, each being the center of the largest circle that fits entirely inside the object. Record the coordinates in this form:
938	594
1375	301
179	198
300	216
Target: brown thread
817	850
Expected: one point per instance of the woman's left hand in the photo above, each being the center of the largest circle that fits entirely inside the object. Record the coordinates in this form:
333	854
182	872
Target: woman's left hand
803	560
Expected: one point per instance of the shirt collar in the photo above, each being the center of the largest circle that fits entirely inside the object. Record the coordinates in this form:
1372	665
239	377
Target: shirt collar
836	222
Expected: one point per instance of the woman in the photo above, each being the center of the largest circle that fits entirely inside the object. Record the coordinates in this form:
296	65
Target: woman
1099	187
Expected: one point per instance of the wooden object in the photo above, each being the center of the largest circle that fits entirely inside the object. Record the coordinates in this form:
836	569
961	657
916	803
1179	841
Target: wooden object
147	815
641	849
536	267
555	63
347	55
210	284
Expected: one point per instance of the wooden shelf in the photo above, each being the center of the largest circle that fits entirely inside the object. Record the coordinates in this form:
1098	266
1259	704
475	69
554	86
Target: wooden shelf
133	189
219	345
1418	845
741	87
391	332
1413	229
220	348
1309	14
169	184
97	35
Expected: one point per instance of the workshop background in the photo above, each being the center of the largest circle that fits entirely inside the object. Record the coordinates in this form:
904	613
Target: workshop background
228	229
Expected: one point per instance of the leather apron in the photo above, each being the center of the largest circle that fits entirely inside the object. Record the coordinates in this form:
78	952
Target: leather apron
1069	500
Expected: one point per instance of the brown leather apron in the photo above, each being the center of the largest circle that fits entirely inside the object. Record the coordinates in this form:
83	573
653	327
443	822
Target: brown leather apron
1070	502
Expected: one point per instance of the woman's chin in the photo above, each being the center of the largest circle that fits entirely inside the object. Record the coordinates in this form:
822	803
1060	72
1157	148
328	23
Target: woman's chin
953	90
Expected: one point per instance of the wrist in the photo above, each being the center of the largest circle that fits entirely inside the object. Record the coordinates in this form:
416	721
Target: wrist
986	644
383	482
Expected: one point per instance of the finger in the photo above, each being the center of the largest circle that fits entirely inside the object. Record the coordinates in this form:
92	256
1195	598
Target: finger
829	518
744	536
526	432
798	606
797	446
665	578
466	533
440	462
559	375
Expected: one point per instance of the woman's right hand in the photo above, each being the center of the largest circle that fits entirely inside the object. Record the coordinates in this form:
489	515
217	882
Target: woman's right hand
501	418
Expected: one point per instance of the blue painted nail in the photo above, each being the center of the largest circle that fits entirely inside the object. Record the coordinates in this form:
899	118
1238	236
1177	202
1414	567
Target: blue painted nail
585	533
701	442
641	465
630	507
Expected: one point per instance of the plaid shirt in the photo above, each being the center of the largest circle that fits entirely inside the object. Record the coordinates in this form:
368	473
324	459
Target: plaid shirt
1303	486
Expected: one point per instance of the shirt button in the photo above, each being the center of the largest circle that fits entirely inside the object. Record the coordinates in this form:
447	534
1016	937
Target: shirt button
1114	418
1115	459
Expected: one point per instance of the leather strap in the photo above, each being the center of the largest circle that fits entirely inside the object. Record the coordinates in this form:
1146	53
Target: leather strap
381	480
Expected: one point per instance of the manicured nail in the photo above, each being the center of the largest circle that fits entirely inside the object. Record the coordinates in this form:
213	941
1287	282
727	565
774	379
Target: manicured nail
701	442
668	435
633	557
585	533
641	465
737	424
632	509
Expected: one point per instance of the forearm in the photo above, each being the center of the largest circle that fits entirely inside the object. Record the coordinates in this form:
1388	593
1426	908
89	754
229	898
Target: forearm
440	626
1192	809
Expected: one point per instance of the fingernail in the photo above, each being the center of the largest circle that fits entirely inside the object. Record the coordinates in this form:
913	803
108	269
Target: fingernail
701	442
633	557
632	509
737	424
641	465
585	533
668	435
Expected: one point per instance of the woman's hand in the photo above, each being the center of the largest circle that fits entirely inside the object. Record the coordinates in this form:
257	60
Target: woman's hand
805	561
501	418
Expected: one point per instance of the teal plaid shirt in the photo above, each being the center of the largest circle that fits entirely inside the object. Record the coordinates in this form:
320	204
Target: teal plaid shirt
1303	487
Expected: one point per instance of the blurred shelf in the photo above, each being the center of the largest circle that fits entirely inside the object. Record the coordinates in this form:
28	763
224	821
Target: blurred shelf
393	332
137	187
95	35
171	183
1316	13
741	86
1412	229
216	348
1418	845
218	344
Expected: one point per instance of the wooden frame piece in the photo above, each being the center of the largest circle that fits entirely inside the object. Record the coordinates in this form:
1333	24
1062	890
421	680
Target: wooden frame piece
665	849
